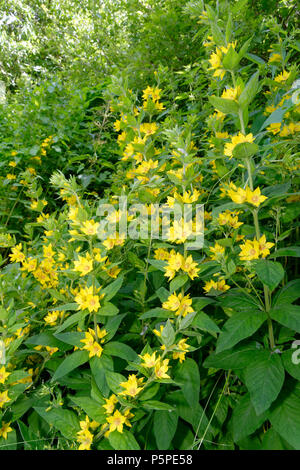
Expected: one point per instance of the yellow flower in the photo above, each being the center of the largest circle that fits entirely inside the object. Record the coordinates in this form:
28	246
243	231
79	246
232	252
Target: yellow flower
264	246
154	93
90	227
84	265
85	438
249	250
51	350
4	398
9	176
254	197
275	58
161	254
110	404
5	429
158	333
282	77
116	421
217	251
148	128
131	386
179	304
232	94
3	375
183	349
216	64
149	360
216	285
91	345
238	196
48	251
17	256
161	369
274	128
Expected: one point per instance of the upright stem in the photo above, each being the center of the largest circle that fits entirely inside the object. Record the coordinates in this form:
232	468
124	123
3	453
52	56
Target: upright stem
257	232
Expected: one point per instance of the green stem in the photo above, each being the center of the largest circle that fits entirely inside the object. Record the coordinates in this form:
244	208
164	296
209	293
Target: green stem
266	289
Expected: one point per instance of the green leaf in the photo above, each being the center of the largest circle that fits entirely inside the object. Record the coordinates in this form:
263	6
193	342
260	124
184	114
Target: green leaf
164	428
245	150
108	310
231	59
240	326
292	251
71	337
45	339
113	381
249	91
71	362
244	419
112	289
285	414
217	34
291	361
187	376
288	294
75	318
122	350
64	420
157	405
91	407
205	323
99	367
157	312
168	334
269	273
237	358
224	105
273	441
194	416
287	315
264	378
123	441
178	282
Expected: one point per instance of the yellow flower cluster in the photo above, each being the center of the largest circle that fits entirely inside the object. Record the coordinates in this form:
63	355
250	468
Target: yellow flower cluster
240	195
179	304
254	249
91	341
216	60
177	262
84	436
87	298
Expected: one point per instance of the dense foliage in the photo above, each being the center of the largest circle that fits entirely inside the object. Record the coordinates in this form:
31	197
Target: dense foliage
125	343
